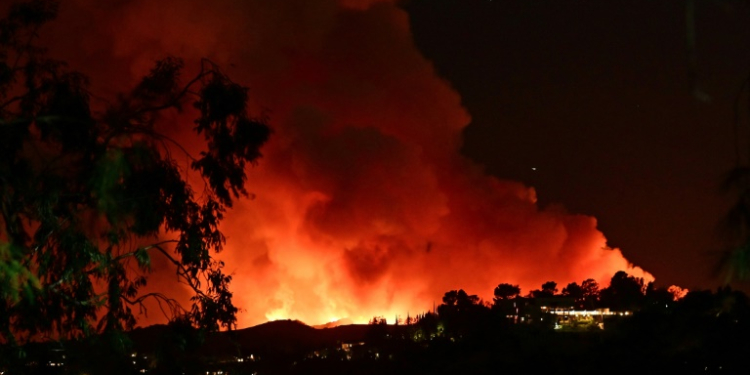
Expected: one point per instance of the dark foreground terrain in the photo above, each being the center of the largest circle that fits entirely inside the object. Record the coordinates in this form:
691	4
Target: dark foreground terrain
704	332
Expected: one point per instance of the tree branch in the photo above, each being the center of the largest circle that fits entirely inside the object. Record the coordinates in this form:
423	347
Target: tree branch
160	298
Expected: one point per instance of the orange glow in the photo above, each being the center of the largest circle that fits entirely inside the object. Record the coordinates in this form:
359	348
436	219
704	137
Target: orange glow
364	205
678	292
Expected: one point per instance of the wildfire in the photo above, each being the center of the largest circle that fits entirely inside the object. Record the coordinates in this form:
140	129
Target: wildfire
678	292
364	206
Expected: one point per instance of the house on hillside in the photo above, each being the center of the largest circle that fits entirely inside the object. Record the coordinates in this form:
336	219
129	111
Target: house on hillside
555	311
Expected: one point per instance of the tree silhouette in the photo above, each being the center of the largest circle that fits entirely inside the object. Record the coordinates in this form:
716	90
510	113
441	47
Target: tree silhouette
86	199
549	289
463	314
625	292
458	300
586	295
506	291
658	298
573	290
590	290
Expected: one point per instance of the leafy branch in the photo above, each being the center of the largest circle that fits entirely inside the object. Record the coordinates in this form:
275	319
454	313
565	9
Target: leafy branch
79	189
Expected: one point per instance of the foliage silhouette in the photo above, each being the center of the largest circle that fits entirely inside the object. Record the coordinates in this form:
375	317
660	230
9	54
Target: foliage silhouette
88	198
463	315
549	289
624	293
573	290
590	293
506	291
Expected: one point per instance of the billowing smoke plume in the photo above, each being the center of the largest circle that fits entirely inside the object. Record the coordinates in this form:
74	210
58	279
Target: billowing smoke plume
363	205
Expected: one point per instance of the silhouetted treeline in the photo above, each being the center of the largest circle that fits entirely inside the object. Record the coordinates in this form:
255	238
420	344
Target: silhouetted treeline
703	331
650	330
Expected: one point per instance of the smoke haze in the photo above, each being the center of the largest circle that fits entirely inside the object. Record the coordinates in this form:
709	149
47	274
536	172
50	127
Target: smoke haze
363	204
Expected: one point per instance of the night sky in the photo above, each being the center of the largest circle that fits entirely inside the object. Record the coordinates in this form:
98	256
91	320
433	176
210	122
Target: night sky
589	102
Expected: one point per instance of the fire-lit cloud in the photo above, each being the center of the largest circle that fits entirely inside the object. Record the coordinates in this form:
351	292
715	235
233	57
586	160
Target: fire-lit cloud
363	204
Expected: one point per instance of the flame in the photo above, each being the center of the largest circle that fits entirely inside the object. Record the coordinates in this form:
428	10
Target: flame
678	292
364	205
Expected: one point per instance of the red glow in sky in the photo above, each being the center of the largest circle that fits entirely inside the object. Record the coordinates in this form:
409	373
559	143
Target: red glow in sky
364	205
